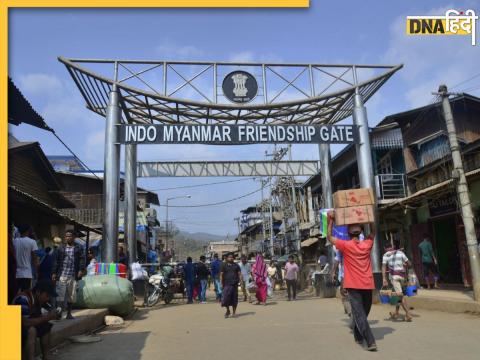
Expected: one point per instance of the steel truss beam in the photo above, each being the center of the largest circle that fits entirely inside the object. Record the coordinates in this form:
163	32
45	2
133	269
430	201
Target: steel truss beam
226	168
288	93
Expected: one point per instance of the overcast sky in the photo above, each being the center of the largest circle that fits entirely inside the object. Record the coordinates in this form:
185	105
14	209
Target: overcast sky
370	32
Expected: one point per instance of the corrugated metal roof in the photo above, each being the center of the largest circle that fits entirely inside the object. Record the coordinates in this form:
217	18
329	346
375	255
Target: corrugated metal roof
50	209
388	139
20	110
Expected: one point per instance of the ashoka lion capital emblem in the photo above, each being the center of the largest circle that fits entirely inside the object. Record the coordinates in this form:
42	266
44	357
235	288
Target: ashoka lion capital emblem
240	80
240	87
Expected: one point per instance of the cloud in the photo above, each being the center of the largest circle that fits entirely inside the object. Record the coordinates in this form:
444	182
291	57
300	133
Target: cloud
39	84
430	60
252	56
170	50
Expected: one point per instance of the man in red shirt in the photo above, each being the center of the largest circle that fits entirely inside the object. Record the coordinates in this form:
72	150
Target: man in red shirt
358	279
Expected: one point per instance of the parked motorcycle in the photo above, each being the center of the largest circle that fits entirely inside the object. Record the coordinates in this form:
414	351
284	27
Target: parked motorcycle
159	289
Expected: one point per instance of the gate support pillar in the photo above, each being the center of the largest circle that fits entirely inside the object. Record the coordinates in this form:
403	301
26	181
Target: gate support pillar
365	168
111	180
130	191
327	194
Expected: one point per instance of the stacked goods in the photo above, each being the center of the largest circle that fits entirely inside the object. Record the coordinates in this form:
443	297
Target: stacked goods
111	269
338	231
354	206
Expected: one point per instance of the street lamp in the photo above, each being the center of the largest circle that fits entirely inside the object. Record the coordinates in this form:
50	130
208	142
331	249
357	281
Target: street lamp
166	222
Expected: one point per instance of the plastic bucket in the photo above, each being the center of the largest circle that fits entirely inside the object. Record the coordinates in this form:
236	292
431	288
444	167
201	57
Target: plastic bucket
411	290
395	299
384	299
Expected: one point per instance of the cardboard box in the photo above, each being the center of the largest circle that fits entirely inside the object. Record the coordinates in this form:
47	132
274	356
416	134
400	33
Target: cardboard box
354	215
353	197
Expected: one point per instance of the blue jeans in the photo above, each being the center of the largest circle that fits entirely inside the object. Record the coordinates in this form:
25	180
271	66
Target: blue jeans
218	288
203	289
189	288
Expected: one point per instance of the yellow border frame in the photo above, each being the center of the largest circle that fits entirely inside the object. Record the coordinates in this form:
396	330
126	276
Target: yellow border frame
10	315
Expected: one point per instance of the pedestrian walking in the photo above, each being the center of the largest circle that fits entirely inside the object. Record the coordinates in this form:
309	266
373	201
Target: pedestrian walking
202	275
25	248
68	268
12	267
189	278
358	279
322	259
396	262
272	273
259	272
215	273
246	270
429	262
338	268
230	276
291	277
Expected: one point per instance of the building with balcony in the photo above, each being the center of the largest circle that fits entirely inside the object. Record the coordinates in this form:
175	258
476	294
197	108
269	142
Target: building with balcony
413	176
85	191
255	229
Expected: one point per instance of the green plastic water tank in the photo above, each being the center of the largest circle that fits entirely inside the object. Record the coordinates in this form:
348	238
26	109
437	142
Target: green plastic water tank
106	291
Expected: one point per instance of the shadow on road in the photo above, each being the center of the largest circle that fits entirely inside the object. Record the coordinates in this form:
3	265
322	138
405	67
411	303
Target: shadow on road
381	331
129	345
245	314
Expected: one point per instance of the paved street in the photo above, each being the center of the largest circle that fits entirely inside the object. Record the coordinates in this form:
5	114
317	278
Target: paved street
306	329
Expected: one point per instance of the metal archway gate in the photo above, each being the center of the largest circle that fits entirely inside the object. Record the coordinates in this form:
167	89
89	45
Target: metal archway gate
174	93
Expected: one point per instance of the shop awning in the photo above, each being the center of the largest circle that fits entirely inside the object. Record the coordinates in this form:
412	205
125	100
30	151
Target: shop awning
141	221
437	188
309	241
16	195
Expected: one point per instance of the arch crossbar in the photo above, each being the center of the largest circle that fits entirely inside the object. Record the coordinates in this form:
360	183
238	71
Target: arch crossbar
288	93
226	168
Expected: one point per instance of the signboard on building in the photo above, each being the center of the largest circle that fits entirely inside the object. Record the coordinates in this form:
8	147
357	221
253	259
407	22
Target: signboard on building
446	204
240	87
237	134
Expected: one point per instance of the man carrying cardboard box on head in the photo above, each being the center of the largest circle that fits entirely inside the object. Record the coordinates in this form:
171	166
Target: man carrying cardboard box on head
358	278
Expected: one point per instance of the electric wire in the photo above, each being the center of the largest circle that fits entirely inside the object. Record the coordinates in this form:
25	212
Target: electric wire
200	185
71	152
217	203
466	80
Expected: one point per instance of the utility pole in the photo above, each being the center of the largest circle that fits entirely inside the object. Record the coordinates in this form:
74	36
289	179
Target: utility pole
262	182
295	213
458	174
167	225
271	221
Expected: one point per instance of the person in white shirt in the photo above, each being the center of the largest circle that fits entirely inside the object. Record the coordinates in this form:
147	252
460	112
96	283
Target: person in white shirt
397	263
25	248
272	273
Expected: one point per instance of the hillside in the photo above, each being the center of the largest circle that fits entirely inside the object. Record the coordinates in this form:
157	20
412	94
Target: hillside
193	244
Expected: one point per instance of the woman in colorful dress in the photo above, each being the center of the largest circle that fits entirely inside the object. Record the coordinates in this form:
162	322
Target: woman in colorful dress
259	273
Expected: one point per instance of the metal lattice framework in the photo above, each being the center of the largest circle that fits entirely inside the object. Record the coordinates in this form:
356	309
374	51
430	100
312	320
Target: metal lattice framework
227	168
188	92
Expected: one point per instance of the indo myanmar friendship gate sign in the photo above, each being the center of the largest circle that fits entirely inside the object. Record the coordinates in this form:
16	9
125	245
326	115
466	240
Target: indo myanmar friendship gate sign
237	134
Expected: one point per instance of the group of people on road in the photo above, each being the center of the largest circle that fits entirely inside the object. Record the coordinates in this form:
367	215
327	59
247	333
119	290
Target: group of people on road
227	276
43	283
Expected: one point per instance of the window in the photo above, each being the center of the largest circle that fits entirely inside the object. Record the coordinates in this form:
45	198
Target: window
385	167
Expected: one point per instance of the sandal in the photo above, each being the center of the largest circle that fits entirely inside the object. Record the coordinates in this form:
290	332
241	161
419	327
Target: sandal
393	316
408	318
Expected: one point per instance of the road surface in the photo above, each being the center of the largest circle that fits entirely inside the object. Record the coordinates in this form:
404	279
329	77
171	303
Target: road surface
305	329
